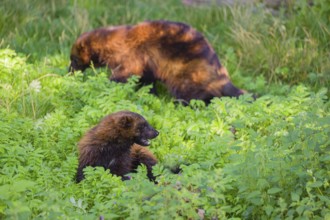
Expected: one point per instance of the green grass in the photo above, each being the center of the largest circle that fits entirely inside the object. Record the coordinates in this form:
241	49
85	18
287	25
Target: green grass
276	166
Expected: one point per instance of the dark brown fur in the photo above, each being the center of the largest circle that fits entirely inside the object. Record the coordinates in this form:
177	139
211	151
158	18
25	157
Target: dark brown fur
171	52
116	143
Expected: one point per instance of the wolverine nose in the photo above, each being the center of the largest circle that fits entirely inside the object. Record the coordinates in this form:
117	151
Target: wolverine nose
156	133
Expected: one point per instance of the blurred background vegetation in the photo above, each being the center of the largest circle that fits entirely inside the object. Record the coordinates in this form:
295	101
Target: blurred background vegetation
284	47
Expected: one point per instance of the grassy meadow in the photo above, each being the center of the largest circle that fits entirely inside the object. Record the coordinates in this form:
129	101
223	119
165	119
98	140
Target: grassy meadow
276	165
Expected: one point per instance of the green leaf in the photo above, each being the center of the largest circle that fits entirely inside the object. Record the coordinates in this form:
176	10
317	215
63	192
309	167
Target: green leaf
254	194
315	184
294	196
274	190
268	209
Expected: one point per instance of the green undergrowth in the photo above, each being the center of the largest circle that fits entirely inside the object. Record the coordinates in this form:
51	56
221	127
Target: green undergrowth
240	159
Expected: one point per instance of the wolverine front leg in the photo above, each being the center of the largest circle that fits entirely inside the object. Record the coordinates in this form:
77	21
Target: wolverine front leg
141	155
122	71
119	74
80	174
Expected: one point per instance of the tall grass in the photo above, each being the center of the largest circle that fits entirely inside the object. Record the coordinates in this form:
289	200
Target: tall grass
291	47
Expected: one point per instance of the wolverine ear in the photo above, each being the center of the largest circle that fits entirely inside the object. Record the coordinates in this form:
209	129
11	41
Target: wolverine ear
80	46
126	122
223	71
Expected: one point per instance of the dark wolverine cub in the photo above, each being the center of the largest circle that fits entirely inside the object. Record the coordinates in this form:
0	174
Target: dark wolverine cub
171	52
116	143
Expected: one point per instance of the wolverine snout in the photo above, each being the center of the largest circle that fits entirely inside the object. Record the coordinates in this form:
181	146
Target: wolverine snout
151	133
74	67
154	134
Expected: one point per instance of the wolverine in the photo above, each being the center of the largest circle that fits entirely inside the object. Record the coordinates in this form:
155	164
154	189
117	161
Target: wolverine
118	143
171	52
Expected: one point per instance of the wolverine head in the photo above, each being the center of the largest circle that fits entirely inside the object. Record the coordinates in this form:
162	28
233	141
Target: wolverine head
84	52
127	127
80	54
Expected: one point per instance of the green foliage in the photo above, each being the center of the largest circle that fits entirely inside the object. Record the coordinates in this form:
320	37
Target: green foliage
239	159
275	166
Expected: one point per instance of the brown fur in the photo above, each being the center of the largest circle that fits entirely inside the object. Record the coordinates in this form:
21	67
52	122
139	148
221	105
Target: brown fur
171	52
116	143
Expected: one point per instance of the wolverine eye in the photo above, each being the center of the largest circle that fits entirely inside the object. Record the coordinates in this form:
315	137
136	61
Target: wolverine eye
126	122
142	126
75	59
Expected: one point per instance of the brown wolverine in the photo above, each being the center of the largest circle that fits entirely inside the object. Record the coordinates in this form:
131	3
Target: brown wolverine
116	143
171	52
